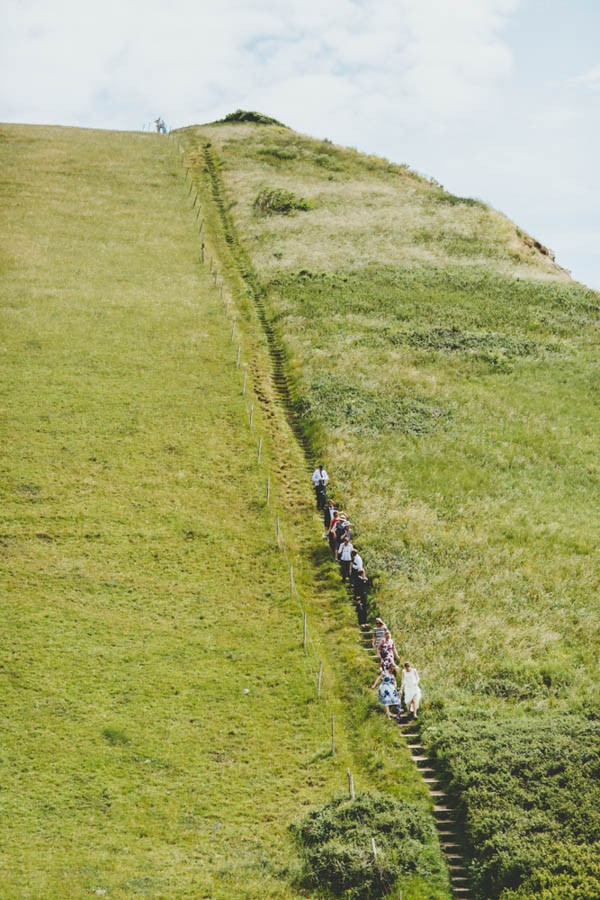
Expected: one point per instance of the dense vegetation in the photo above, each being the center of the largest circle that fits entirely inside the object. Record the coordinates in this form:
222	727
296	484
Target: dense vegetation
446	367
338	838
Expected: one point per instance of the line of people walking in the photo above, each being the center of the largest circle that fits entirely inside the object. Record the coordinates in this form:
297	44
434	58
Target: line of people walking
338	532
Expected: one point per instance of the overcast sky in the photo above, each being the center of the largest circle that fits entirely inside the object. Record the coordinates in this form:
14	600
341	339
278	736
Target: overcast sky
497	99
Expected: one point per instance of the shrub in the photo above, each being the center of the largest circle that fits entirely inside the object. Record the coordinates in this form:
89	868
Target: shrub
336	840
272	201
244	115
524	789
278	153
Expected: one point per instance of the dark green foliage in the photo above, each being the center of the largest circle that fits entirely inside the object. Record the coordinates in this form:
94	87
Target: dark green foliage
115	736
526	791
281	153
336	840
279	201
491	347
336	401
327	161
244	115
466	299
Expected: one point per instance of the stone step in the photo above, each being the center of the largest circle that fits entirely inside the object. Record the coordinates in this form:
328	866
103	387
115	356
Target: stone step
420	758
436	793
439	808
418	747
431	780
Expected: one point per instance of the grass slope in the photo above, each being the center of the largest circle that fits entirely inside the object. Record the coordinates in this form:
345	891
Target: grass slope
447	368
143	591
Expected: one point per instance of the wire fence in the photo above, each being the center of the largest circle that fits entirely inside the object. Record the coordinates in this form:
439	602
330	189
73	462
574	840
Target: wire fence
314	664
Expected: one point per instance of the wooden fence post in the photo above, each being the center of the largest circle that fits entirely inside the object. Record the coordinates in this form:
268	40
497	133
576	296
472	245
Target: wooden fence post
320	678
350	784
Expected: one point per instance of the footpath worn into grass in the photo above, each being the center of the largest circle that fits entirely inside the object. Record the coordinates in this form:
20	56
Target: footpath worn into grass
446	368
160	723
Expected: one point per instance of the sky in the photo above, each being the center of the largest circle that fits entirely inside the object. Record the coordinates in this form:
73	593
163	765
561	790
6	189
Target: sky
495	99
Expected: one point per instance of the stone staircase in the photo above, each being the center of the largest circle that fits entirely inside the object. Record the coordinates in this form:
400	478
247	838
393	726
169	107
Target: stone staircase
445	815
443	811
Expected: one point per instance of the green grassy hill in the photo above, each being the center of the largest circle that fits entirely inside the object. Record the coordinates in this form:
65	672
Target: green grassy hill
446	368
161	725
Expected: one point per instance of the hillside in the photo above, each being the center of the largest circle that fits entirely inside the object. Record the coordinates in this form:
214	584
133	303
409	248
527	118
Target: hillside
161	724
445	368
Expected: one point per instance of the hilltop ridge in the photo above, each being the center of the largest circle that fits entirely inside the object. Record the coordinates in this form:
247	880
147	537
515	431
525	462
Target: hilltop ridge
366	209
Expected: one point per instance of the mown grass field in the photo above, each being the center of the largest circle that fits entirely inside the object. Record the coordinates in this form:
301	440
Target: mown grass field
160	726
447	369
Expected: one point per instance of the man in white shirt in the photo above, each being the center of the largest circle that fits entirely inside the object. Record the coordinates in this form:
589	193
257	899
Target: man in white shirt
357	565
319	480
345	558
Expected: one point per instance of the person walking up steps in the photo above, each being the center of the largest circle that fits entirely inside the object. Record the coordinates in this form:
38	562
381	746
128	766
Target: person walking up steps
319	480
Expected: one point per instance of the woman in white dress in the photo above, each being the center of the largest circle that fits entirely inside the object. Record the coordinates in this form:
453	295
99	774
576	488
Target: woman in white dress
410	688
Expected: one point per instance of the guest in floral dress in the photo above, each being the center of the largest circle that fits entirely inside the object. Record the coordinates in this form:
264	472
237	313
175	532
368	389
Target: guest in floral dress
388	692
387	651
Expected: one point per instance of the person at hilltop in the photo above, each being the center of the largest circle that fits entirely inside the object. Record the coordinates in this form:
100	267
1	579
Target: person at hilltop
410	688
319	480
388	691
387	650
160	125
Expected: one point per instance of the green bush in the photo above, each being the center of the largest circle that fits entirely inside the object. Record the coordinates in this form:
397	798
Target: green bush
244	115
337	843
339	402
525	789
277	153
279	201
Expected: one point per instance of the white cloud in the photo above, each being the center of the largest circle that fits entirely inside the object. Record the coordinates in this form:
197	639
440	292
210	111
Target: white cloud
430	59
428	82
589	79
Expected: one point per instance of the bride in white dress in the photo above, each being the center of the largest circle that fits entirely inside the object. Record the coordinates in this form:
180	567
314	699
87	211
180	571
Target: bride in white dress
410	688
